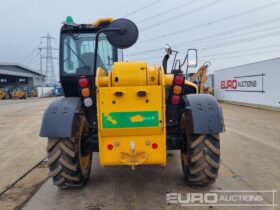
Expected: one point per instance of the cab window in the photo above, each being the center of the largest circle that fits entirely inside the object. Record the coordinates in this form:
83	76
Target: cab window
78	53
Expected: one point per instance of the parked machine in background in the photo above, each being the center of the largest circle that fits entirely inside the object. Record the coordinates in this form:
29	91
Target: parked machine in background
9	90
6	92
3	94
24	92
58	91
200	78
19	93
129	112
31	92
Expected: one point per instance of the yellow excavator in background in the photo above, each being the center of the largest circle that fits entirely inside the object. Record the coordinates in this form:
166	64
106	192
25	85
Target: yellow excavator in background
200	79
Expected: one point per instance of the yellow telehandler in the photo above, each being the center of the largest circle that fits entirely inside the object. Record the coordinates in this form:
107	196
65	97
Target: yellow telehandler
129	112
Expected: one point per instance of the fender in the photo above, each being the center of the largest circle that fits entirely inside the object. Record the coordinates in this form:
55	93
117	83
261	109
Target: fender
204	114
59	117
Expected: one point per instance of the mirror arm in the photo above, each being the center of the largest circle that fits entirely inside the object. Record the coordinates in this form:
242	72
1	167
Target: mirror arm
184	60
187	69
96	48
164	63
179	62
174	61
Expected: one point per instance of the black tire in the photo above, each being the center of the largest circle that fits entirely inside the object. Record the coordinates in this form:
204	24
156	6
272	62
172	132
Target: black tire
200	158
66	156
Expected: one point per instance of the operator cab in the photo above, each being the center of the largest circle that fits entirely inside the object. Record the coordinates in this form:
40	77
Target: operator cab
77	47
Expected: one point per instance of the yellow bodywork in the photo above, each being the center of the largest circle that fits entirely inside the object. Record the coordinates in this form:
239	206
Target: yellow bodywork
131	114
101	21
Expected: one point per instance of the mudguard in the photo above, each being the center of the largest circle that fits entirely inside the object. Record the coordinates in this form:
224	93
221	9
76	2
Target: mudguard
204	114
59	118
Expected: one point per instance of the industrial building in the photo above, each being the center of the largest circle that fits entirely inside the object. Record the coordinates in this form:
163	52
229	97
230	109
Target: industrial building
14	74
254	84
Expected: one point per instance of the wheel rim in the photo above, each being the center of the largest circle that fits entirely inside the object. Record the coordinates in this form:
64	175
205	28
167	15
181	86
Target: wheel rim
85	156
184	154
85	161
185	158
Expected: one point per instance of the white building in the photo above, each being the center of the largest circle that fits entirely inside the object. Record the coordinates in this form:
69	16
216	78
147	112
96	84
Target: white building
255	83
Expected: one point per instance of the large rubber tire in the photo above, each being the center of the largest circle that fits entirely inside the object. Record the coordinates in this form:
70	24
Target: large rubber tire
200	158
68	160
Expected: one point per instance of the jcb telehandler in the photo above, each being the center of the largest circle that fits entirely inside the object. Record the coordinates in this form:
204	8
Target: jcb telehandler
129	112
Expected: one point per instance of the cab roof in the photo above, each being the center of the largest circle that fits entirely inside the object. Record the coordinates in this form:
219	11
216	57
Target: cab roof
99	23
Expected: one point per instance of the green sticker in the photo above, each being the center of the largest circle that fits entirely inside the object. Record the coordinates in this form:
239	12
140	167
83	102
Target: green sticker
130	119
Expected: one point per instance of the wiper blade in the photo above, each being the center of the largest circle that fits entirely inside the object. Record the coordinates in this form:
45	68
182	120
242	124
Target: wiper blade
77	56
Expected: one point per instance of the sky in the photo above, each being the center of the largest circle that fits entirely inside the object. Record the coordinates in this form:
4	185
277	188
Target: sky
225	32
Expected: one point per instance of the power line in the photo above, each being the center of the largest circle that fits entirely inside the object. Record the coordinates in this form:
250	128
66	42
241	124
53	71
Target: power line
225	53
181	15
239	41
234	31
251	32
231	57
243	34
167	11
246	12
222	44
29	55
240	56
122	6
31	59
239	51
35	63
238	35
142	8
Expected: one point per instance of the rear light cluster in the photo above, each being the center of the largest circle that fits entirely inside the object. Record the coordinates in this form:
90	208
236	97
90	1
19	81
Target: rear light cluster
176	93
85	91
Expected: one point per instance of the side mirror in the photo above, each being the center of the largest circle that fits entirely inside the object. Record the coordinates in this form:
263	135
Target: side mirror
122	33
192	58
168	49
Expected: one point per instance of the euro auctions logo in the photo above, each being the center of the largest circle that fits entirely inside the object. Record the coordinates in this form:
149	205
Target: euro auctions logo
248	83
224	198
234	84
229	84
